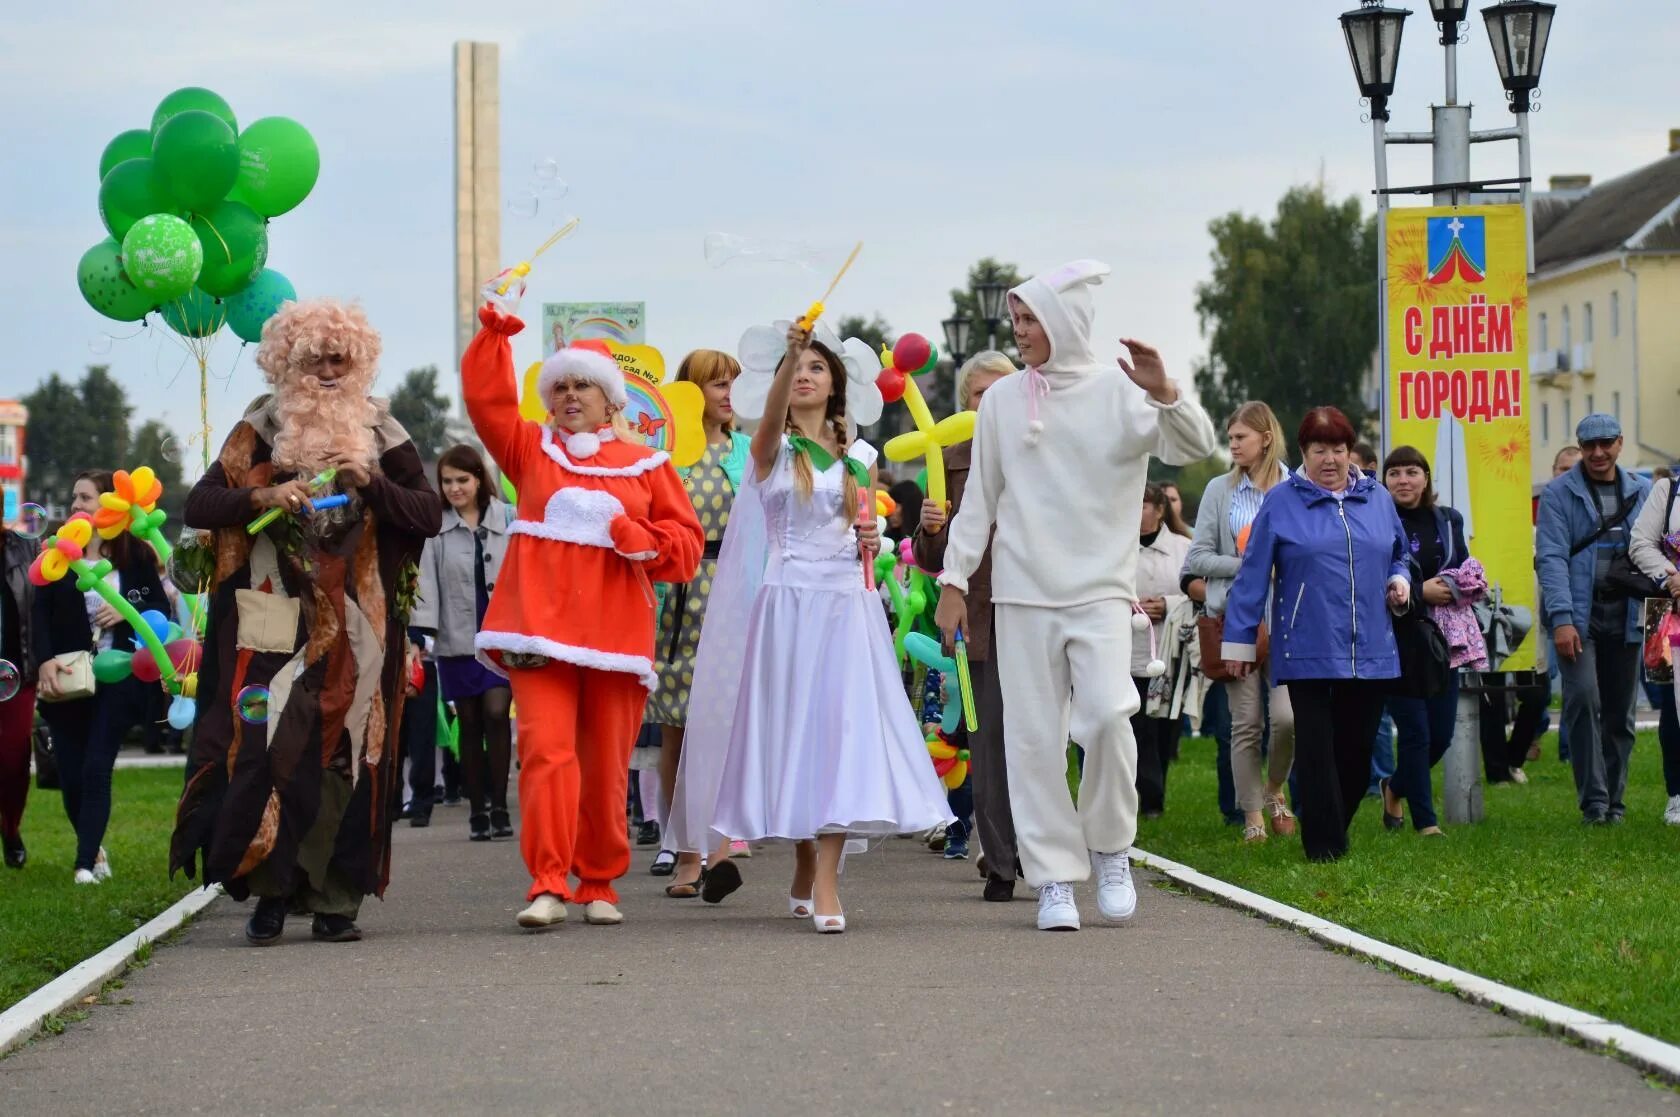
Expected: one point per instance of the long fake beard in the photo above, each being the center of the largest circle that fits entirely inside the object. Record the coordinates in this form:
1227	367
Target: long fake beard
318	425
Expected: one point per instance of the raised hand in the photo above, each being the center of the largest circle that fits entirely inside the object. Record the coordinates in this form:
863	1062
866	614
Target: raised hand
1147	370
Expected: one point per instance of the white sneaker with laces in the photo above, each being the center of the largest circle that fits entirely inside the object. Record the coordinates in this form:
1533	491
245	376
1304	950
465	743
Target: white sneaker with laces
85	876
1672	814
1116	895
1056	909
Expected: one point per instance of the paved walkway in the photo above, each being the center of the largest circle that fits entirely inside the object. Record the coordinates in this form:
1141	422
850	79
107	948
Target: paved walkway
933	1002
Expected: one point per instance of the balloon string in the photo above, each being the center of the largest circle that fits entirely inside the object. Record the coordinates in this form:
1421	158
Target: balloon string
228	252
204	405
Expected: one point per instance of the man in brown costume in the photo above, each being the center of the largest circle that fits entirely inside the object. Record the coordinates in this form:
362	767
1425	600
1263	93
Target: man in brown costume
295	754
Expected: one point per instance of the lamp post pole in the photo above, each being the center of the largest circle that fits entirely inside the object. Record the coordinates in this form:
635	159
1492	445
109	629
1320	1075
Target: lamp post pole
1518	31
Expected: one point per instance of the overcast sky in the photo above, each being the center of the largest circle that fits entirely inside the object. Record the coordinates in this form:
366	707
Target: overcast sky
936	133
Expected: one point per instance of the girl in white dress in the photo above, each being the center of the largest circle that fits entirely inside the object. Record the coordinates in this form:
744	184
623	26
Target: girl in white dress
798	724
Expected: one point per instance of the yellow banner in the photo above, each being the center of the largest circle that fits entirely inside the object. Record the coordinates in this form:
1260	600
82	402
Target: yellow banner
1457	335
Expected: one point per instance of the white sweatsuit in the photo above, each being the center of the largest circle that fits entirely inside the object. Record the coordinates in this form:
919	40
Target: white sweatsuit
1065	492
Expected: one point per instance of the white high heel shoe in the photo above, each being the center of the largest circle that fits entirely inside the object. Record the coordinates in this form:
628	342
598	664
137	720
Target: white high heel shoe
828	924
800	909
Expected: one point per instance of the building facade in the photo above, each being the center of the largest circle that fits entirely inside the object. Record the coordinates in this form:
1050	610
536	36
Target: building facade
1604	312
14	466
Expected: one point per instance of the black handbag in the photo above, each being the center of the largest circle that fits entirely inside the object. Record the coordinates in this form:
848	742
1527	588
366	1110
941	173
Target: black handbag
1424	669
46	763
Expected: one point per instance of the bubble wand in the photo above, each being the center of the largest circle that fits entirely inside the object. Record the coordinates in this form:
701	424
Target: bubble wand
965	683
321	481
810	318
522	269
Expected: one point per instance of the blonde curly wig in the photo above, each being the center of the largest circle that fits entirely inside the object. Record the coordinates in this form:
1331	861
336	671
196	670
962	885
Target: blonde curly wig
319	423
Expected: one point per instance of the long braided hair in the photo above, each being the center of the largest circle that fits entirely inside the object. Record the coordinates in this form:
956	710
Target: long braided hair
835	417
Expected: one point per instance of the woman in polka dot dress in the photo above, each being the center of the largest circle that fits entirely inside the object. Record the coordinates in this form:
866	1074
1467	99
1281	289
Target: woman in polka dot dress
711	483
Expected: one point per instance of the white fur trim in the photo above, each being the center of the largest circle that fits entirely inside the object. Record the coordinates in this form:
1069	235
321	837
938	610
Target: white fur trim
592	658
1035	428
634	469
581	516
585	364
586	444
1140	622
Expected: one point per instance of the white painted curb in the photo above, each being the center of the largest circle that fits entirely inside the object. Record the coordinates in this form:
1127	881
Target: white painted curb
1645	1052
19	1023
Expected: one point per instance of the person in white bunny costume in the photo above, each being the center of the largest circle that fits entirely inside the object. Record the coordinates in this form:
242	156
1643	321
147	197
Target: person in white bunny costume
1060	457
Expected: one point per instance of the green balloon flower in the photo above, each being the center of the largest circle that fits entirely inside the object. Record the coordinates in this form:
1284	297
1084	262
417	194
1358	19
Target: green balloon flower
197	158
161	254
107	289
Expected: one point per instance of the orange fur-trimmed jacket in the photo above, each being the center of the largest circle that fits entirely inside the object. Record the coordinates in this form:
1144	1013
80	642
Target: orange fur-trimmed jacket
598	520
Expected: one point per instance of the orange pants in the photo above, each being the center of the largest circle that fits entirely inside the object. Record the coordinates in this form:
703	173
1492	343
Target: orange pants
576	729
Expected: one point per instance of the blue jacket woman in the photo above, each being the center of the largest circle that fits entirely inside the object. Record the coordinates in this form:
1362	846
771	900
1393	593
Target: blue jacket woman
1329	542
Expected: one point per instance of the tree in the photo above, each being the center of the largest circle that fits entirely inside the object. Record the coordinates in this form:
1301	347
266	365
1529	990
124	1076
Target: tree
73	428
423	411
1290	312
940	389
156	445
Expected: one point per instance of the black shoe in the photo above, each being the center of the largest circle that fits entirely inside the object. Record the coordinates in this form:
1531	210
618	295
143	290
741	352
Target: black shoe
406	812
266	923
501	826
451	799
478	826
335	928
1595	818
998	890
16	855
420	820
664	864
647	834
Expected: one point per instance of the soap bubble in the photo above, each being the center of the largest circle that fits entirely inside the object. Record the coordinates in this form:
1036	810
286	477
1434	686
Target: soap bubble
99	344
133	597
170	449
553	189
252	705
11	680
722	248
32	521
546	168
524	205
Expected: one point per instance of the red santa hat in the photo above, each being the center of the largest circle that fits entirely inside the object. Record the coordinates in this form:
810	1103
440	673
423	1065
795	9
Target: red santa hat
584	360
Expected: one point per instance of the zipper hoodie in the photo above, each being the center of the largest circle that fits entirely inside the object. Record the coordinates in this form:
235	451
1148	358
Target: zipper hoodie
1060	458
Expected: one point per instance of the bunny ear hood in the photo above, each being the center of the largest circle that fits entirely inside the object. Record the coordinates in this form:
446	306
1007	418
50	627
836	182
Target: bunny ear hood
1061	301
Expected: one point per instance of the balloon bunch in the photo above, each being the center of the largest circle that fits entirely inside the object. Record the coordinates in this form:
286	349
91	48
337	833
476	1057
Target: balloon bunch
912	356
163	652
187	204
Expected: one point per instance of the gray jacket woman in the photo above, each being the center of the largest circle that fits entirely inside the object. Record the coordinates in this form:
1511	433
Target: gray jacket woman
458	572
1229	504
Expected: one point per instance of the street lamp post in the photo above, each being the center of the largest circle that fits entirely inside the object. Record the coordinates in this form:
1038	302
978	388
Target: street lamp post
1518	30
957	333
991	296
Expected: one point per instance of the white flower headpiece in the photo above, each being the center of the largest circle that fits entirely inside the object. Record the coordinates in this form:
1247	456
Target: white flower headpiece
761	351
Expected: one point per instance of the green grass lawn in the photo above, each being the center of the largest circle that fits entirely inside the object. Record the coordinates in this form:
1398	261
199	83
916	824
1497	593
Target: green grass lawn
48	924
1529	897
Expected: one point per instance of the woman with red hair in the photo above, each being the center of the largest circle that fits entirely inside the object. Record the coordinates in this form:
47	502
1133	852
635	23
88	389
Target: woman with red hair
1330	544
599	519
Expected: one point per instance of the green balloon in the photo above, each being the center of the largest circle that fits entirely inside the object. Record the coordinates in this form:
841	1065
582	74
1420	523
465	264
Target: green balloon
278	165
161	254
136	143
106	288
128	192
235	243
250	308
190	98
113	666
197	158
195	314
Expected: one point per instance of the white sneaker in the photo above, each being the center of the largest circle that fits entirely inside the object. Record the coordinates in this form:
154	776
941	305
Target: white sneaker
1056	909
1116	895
102	866
1672	814
84	876
602	914
545	911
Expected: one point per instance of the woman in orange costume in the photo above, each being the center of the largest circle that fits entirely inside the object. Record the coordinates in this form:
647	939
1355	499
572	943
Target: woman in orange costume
599	519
